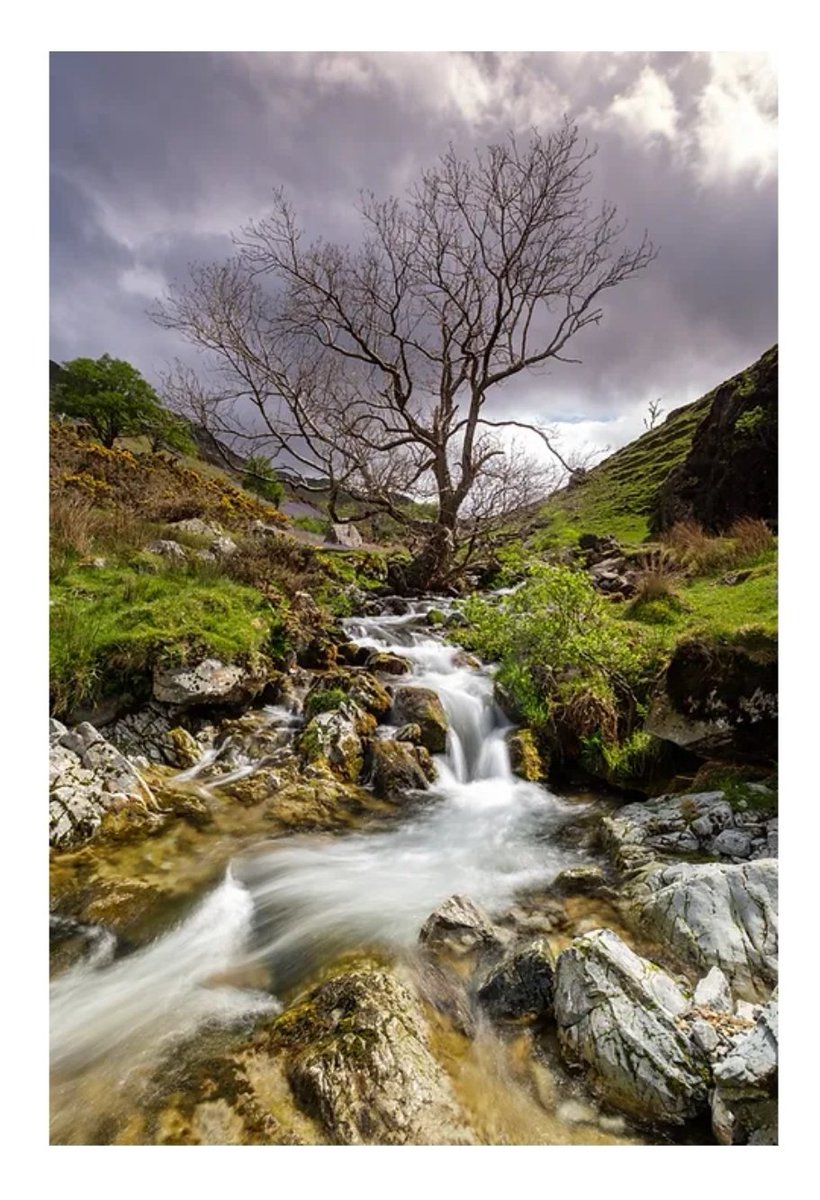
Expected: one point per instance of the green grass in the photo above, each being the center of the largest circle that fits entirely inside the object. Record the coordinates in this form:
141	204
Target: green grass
109	626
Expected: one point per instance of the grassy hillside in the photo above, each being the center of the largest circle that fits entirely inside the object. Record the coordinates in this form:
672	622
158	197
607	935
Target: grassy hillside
616	497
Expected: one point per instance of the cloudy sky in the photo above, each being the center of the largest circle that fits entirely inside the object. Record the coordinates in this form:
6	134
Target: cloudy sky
156	158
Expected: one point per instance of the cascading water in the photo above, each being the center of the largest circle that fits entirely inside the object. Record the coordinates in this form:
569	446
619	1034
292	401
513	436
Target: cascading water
287	905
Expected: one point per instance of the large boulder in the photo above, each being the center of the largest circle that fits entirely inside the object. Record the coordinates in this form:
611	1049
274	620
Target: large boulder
744	1102
88	778
357	1059
717	914
345	535
458	927
332	739
731	468
719	699
421	706
618	1018
397	768
363	688
210	682
521	985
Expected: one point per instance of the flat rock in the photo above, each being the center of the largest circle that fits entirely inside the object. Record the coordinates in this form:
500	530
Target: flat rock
208	682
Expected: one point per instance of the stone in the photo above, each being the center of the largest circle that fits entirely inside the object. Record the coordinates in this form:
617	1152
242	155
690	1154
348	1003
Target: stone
219	543
332	737
733	843
618	1019
713	992
409	733
525	759
458	927
421	706
363	688
717	914
359	1062
208	682
583	880
345	535
397	768
389	664
521	985
88	778
152	733
169	549
744	1105
637	834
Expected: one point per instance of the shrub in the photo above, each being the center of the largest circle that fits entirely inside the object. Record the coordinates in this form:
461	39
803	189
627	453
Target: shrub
261	478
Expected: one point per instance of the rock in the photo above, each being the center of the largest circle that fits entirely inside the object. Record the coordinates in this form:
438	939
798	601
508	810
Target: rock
364	689
208	682
389	664
718	914
521	985
637	833
358	1061
168	549
353	655
218	541
458	927
720	699
333	738
409	733
617	1017
422	707
744	1104
713	992
152	732
598	548
89	778
525	760
398	768
733	843
582	881
731	468
345	535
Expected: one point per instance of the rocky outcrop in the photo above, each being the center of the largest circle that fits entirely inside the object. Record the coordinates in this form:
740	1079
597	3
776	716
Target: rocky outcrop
88	778
357	1060
744	1102
209	682
618	1020
521	985
694	823
421	706
717	914
397	768
731	468
151	733
214	537
719	699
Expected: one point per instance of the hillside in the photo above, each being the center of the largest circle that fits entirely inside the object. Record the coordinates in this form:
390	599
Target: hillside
618	496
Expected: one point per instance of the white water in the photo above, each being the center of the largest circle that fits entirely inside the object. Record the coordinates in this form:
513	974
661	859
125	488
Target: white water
289	904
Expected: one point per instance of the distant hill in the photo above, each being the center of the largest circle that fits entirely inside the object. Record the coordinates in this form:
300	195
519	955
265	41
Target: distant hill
621	495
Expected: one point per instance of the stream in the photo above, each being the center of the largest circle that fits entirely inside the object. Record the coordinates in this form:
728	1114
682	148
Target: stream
287	906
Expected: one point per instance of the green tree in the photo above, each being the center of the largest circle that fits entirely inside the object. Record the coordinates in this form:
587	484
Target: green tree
110	395
260	477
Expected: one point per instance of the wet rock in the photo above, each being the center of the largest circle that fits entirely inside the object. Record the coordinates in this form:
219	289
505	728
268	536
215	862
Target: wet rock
363	689
422	707
582	881
208	682
617	1017
358	1061
717	914
398	768
713	992
333	738
525	759
459	927
744	1104
521	985
89	778
390	664
409	733
353	655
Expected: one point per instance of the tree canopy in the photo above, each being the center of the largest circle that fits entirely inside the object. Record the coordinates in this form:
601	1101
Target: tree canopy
371	366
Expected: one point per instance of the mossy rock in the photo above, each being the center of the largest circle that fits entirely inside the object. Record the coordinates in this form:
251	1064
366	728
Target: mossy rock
397	768
525	758
422	707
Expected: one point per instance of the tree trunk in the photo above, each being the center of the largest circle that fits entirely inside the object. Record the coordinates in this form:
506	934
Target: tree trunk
430	569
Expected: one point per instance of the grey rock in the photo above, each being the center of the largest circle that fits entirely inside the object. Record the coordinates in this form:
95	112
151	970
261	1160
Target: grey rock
713	992
744	1104
147	732
333	737
459	927
718	914
733	843
705	1035
637	833
618	1019
219	543
363	1067
521	985
345	535
207	682
169	549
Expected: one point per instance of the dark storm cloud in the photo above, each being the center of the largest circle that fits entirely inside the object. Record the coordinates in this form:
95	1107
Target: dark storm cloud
157	157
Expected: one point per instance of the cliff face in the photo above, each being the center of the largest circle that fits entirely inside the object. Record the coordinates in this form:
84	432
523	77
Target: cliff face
731	468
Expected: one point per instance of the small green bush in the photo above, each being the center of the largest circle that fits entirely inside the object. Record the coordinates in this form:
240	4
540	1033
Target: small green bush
261	478
324	701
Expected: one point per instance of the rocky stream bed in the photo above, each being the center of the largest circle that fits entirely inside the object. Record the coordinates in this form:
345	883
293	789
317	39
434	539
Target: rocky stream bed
325	909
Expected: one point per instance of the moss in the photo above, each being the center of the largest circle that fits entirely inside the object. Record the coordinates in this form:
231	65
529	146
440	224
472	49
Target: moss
324	701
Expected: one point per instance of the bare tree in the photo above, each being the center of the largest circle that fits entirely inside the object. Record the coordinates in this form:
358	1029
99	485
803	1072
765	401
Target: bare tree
371	367
655	411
